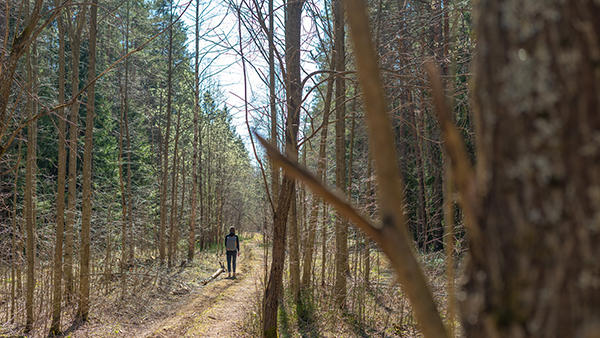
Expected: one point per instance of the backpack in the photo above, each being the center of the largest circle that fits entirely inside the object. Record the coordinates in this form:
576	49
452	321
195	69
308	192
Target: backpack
231	243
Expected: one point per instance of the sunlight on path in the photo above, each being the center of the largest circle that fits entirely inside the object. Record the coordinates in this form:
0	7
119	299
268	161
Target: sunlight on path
221	309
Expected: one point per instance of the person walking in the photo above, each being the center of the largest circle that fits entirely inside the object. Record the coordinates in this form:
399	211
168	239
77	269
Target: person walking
232	245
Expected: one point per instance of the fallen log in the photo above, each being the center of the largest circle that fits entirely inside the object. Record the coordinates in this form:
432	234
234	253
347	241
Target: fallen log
214	275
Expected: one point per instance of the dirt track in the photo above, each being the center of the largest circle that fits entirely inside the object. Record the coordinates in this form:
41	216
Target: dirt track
222	307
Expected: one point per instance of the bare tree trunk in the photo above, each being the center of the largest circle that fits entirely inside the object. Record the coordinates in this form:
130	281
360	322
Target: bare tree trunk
164	181
15	240
86	212
436	237
537	98
449	246
272	100
194	197
312	223
370	204
324	242
126	234
294	264
174	179
60	194
341	228
108	256
201	191
130	223
182	208
75	38
349	198
294	96
422	216
30	184
274	285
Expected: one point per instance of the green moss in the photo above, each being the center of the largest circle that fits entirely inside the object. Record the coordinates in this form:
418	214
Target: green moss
271	332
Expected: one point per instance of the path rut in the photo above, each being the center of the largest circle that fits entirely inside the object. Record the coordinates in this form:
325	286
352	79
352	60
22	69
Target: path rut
222	307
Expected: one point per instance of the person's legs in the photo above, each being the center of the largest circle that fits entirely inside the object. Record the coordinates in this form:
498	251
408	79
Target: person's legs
234	258
229	258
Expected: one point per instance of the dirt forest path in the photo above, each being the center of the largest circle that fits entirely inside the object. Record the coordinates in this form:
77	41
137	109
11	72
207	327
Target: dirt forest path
222	307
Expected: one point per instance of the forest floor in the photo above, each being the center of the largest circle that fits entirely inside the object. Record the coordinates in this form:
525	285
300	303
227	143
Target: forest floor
221	308
153	302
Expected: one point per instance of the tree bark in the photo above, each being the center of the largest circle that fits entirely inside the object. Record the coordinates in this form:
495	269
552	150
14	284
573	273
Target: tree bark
324	239
125	233
312	223
15	241
449	246
30	180
86	211
537	98
370	204
130	223
61	178
164	181
294	249
272	100
194	197
422	220
294	96
174	179
75	38
182	204
341	227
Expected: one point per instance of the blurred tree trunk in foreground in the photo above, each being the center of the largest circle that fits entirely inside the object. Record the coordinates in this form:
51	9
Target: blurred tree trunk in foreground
538	97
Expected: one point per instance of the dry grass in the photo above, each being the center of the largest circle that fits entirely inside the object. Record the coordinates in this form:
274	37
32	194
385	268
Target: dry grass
161	303
382	310
151	294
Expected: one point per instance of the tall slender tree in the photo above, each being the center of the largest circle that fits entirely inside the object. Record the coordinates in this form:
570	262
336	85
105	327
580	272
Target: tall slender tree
75	31
86	210
30	176
194	197
174	179
293	25
165	145
312	222
60	189
272	99
341	228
